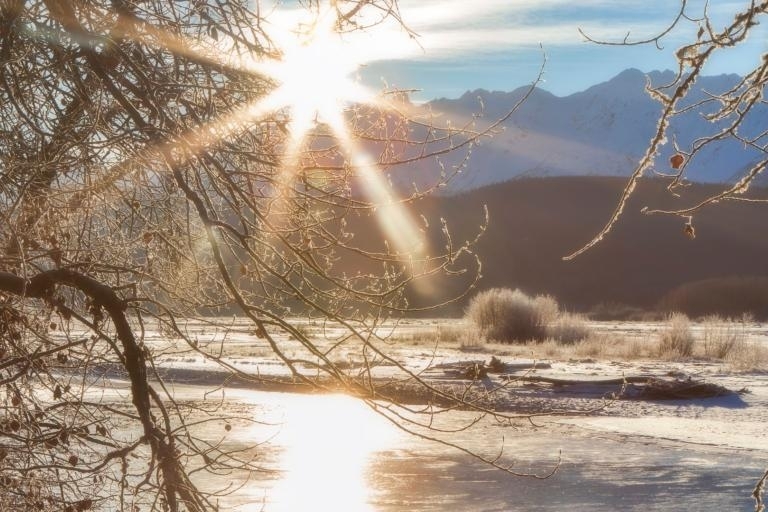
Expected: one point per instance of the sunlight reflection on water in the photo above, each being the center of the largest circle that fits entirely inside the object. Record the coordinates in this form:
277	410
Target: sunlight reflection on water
332	453
328	446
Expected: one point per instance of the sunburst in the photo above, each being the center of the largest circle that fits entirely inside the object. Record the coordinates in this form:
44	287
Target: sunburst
315	76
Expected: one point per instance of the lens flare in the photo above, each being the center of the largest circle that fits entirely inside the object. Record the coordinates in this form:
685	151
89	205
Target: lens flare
314	71
315	76
316	84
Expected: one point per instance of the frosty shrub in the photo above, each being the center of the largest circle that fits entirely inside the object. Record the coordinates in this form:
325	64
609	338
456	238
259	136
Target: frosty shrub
722	336
676	339
569	328
547	308
508	316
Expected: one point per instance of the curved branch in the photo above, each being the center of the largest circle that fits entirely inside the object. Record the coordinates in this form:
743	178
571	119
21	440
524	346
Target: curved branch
41	286
655	39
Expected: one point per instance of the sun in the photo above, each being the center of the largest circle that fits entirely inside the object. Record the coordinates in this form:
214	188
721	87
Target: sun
315	75
316	82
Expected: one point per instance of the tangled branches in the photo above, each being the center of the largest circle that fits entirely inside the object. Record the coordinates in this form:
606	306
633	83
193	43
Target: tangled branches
146	180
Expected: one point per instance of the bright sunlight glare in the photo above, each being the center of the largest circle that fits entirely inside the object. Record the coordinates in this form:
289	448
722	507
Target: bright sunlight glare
316	84
328	447
315	75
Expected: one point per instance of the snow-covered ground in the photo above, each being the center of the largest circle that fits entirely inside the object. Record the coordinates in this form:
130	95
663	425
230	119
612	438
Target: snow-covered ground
333	453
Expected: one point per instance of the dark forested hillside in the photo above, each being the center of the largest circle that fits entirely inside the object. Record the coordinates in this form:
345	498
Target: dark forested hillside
534	222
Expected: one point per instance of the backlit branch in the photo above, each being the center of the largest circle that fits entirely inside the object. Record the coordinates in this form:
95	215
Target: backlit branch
732	113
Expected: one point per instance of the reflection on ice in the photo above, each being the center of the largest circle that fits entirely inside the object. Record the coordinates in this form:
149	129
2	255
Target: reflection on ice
329	444
333	454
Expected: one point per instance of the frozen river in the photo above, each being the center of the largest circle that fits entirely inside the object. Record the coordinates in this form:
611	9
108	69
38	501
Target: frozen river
332	453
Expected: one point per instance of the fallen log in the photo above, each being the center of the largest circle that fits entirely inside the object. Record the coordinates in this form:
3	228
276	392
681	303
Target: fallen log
575	382
636	387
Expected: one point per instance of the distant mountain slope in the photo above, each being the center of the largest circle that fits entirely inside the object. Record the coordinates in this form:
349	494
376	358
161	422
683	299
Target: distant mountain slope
602	131
534	222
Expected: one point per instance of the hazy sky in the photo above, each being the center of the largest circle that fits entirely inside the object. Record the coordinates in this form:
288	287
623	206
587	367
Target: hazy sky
494	44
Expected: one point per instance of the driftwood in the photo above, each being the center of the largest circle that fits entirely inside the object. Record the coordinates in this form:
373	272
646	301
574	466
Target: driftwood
633	387
660	389
575	382
476	370
637	387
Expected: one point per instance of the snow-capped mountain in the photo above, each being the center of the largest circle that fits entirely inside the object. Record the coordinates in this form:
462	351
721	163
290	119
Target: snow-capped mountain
602	131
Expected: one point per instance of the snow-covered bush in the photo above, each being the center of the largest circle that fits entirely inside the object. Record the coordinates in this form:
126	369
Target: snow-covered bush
509	316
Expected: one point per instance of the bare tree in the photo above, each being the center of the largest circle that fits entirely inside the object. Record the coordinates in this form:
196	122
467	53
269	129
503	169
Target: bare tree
146	179
735	116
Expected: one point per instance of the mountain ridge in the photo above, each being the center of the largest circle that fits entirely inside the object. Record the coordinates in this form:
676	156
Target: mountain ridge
601	131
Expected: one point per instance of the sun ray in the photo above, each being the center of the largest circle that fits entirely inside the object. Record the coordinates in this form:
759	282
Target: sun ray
393	218
315	82
316	86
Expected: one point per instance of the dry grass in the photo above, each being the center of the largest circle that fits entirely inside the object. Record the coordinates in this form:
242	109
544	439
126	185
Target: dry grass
594	347
445	332
601	346
725	342
676	340
569	328
748	356
723	337
461	333
729	344
634	348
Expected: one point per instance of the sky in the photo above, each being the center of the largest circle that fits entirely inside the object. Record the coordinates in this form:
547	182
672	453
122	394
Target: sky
500	44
